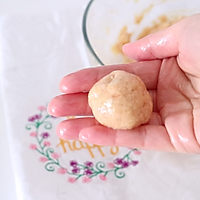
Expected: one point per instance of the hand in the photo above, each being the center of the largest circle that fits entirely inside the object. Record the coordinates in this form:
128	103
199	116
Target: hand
171	72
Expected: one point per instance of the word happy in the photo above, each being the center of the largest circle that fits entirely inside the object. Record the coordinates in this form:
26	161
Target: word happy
79	145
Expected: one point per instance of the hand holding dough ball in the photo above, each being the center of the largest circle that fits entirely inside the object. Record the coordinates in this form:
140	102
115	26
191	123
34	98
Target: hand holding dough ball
120	101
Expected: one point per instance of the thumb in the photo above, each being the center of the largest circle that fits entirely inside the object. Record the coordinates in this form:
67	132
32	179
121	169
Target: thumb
156	46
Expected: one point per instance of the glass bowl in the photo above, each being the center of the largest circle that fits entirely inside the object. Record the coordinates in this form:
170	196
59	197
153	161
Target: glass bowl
108	24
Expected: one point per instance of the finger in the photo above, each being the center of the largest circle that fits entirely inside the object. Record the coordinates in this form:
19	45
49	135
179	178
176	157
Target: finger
84	79
153	94
70	129
156	46
196	119
147	137
70	104
159	45
77	105
155	119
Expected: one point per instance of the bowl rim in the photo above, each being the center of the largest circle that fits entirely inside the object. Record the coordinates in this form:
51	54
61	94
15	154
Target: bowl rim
85	33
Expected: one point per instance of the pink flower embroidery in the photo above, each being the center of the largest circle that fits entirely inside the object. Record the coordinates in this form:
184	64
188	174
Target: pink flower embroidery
42	108
43	159
110	165
33	134
46	143
71	180
55	155
137	152
62	171
102	177
86	179
33	146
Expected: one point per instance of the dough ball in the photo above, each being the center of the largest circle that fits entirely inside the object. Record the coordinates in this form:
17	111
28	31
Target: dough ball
120	100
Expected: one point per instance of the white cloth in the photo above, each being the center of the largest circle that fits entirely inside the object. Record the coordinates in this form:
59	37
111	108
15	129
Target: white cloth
37	50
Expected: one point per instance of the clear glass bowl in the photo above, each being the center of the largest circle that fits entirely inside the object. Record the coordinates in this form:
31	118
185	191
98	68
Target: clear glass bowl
103	21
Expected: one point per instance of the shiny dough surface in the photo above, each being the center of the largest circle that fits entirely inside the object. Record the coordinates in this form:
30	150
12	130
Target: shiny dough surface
120	100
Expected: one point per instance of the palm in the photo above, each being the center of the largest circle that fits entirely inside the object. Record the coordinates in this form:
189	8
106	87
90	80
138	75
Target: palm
176	106
170	127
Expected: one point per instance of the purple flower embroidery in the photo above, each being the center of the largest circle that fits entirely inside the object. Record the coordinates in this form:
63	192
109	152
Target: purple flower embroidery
73	163
76	170
88	172
88	164
134	162
118	161
33	118
125	164
38	116
45	135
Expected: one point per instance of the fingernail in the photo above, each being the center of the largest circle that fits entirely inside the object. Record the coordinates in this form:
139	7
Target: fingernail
64	134
60	132
124	47
84	136
63	88
51	109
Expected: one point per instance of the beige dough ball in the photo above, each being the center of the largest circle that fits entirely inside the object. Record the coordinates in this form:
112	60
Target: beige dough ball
120	101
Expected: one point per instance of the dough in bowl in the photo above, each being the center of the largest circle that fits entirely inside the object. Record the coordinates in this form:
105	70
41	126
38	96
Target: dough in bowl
120	100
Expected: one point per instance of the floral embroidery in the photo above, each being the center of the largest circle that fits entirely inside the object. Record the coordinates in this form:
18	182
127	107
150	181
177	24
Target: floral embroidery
75	170
42	108
43	159
134	162
137	152
86	179
73	163
86	171
102	177
62	171
55	155
45	135
110	165
33	118
33	134
88	164
47	143
33	146
71	180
